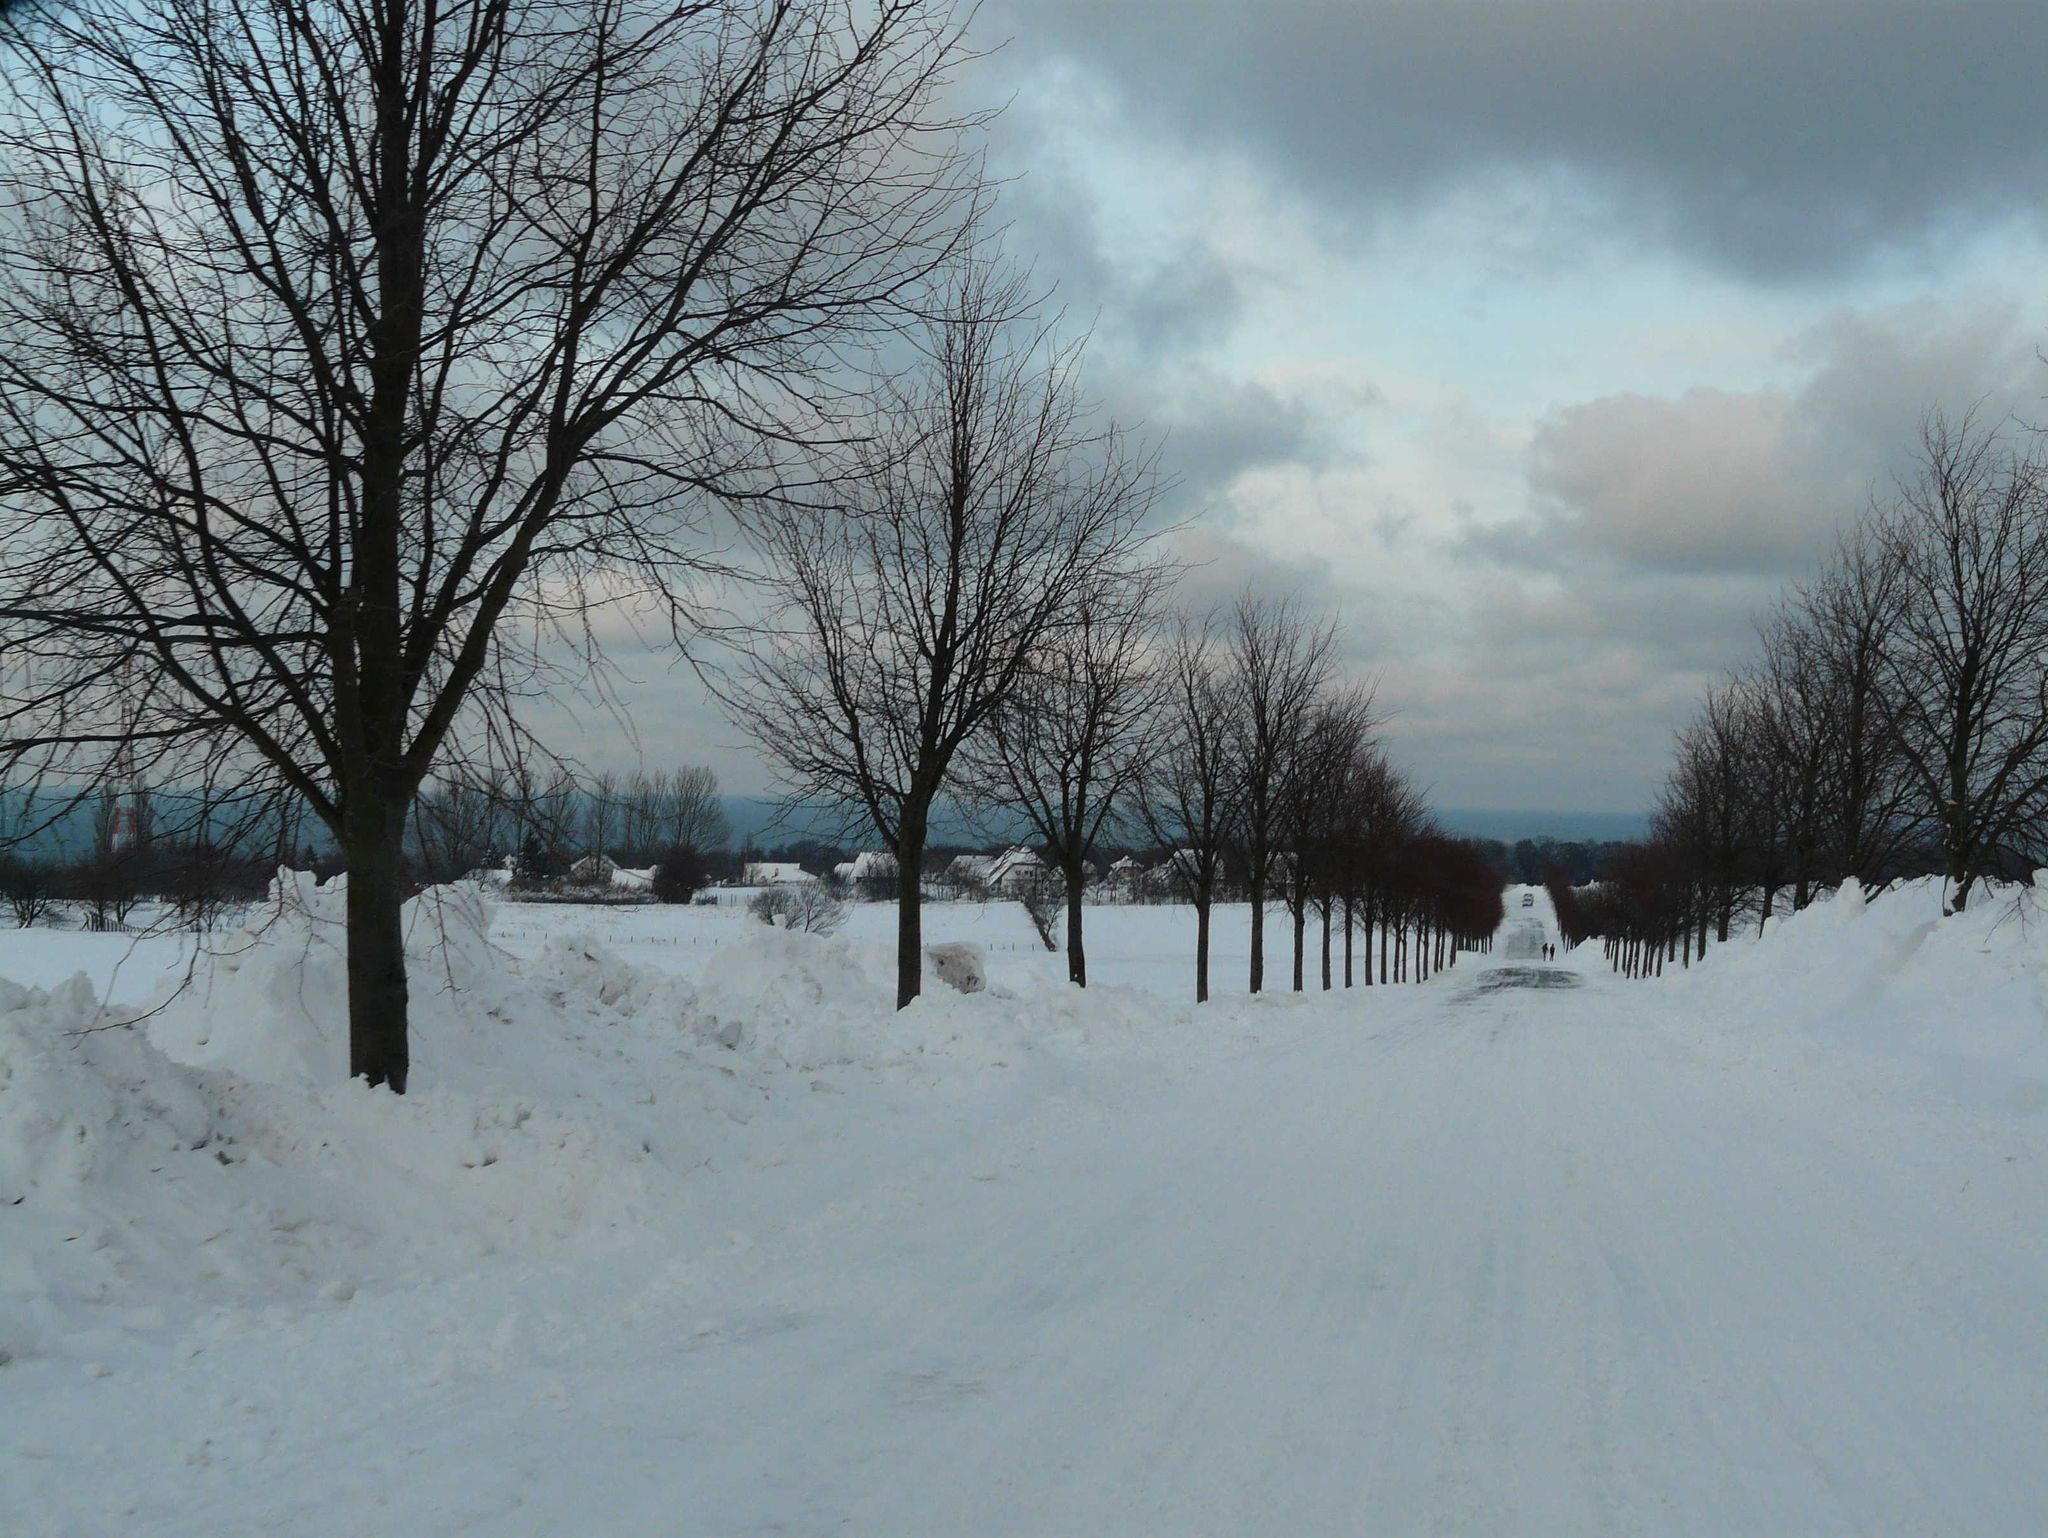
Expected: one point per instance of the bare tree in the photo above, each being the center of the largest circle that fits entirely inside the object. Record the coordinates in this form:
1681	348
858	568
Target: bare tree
1188	793
1853	612
688	811
639	814
1705	813
986	500
1067	748
459	824
542	809
655	810
1282	660
1316	788
601	814
338	335
1381	814
1969	672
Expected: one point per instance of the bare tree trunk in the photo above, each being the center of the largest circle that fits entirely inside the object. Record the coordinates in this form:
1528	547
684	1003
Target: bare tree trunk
1298	914
1203	902
1077	955
912	832
1326	946
1258	963
377	997
1347	942
910	909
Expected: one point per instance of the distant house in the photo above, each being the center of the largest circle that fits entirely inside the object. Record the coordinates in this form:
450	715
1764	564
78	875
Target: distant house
1126	877
1173	877
1017	870
774	873
969	872
871	873
593	870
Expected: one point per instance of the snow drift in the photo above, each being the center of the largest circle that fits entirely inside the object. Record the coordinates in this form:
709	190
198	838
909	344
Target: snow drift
1961	1000
211	1148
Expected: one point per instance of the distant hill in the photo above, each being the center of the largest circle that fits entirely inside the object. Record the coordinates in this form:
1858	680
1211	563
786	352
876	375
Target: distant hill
751	817
761	822
754	823
1566	827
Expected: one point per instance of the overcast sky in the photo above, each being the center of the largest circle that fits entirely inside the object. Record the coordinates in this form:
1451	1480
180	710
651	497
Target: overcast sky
1541	341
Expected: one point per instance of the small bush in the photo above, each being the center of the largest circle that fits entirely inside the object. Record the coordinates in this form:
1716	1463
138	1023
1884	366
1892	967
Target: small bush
678	875
29	888
806	906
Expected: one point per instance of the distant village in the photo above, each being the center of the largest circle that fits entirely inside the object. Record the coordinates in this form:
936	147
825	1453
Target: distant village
1015	872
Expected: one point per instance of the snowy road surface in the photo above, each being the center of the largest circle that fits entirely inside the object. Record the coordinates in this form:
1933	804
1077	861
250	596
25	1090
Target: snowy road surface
1463	1259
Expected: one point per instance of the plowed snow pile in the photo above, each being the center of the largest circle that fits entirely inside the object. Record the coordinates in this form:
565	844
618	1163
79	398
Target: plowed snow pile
212	1150
1959	1002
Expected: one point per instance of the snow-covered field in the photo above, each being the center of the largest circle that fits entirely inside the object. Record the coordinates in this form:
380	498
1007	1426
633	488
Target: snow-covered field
684	1231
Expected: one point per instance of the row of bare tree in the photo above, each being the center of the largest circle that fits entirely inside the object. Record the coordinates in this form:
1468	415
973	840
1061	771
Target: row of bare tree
547	823
1262	758
357	351
1894	721
991	626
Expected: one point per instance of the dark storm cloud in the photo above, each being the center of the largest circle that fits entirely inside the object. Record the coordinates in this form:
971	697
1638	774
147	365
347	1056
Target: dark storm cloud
1779	138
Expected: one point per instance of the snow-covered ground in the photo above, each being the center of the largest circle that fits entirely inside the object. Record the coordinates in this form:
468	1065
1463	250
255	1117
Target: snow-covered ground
686	1232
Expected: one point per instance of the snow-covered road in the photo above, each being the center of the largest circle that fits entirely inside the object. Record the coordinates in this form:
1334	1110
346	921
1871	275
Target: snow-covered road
1516	1266
1478	1258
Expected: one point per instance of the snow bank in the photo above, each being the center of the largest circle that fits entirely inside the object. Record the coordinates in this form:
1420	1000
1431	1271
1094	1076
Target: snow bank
89	1115
270	1002
132	1180
1963	998
210	1148
786	999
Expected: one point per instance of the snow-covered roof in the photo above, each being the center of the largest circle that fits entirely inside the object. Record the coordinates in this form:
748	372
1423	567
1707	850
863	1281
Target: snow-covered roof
870	865
1015	864
774	873
1179	865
